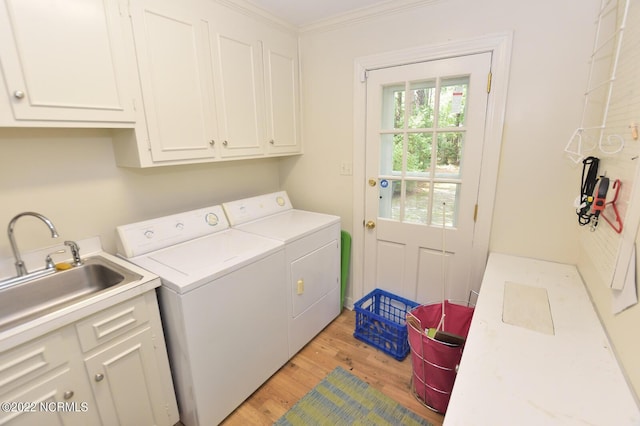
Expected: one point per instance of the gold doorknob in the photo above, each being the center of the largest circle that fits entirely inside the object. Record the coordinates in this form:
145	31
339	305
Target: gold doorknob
370	225
372	182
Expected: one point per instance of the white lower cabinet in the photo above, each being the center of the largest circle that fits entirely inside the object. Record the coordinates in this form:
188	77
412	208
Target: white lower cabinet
59	399
117	376
42	384
126	383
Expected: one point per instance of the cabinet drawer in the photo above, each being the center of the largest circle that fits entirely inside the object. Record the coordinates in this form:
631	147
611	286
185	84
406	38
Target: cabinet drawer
28	361
111	323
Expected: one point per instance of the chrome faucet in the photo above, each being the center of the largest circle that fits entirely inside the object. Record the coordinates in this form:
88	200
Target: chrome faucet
75	252
20	268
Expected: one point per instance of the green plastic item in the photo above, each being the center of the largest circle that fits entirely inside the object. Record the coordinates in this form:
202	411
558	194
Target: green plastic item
345	262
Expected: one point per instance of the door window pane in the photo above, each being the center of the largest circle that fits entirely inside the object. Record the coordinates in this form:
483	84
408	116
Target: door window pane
423	100
450	145
390	195
453	102
419	153
417	202
391	149
398	110
445	199
393	107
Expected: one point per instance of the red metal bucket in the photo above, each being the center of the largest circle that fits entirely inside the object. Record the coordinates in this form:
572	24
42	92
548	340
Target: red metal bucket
435	362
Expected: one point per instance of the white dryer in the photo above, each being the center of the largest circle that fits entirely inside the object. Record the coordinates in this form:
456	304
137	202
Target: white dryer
223	306
312	247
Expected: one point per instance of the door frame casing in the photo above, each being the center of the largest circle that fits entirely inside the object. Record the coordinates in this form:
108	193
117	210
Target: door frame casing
500	47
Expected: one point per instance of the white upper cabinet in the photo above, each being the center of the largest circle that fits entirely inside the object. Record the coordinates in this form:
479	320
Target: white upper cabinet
173	59
282	100
64	62
238	73
218	83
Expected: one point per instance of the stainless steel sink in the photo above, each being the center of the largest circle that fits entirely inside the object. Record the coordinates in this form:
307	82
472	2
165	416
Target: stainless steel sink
28	300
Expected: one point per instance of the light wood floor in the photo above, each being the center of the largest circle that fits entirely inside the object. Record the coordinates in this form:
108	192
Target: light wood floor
334	346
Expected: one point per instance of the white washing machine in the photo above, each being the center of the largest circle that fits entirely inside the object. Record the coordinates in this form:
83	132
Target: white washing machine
223	305
312	247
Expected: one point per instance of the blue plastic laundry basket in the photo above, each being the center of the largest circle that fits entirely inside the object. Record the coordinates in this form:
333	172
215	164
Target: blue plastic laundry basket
381	322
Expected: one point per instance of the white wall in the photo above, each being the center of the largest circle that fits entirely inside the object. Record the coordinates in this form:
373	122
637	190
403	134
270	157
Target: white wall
71	177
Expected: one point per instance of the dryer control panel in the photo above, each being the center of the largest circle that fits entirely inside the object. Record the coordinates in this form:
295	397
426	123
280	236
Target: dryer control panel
143	237
248	209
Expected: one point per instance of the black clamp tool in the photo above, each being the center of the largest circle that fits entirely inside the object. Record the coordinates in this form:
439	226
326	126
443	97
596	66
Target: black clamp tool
599	200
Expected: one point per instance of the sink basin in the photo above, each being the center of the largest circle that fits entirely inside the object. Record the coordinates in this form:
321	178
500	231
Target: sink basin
28	300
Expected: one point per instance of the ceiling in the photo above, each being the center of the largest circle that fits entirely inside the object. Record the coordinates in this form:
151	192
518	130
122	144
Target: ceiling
303	12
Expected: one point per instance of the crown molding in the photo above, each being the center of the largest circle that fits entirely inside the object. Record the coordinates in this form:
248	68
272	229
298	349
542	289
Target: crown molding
363	14
338	21
247	8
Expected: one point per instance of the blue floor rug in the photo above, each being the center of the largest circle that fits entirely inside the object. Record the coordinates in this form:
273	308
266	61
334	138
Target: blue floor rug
343	399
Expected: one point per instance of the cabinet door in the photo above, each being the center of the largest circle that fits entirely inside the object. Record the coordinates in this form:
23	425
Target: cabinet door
64	61
126	383
172	49
282	101
237	55
58	399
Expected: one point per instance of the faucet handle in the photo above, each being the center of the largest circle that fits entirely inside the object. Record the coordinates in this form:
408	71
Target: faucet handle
75	252
49	261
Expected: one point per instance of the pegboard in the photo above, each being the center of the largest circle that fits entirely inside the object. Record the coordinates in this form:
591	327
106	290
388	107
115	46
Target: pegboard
615	142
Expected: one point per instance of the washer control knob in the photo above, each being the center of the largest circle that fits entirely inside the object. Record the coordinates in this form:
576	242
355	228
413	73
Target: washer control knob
148	234
179	226
212	219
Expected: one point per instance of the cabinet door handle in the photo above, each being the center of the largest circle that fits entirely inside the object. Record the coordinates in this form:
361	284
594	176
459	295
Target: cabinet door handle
225	143
68	394
99	377
18	94
272	142
212	142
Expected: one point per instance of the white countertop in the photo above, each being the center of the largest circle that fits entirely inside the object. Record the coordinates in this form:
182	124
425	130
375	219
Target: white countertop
69	314
513	375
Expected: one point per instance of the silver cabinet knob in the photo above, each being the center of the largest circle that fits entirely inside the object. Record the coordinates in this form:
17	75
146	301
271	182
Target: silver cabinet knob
18	94
99	377
212	142
225	143
272	142
68	395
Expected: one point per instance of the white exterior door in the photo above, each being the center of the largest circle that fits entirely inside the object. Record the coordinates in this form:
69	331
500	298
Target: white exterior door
424	145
